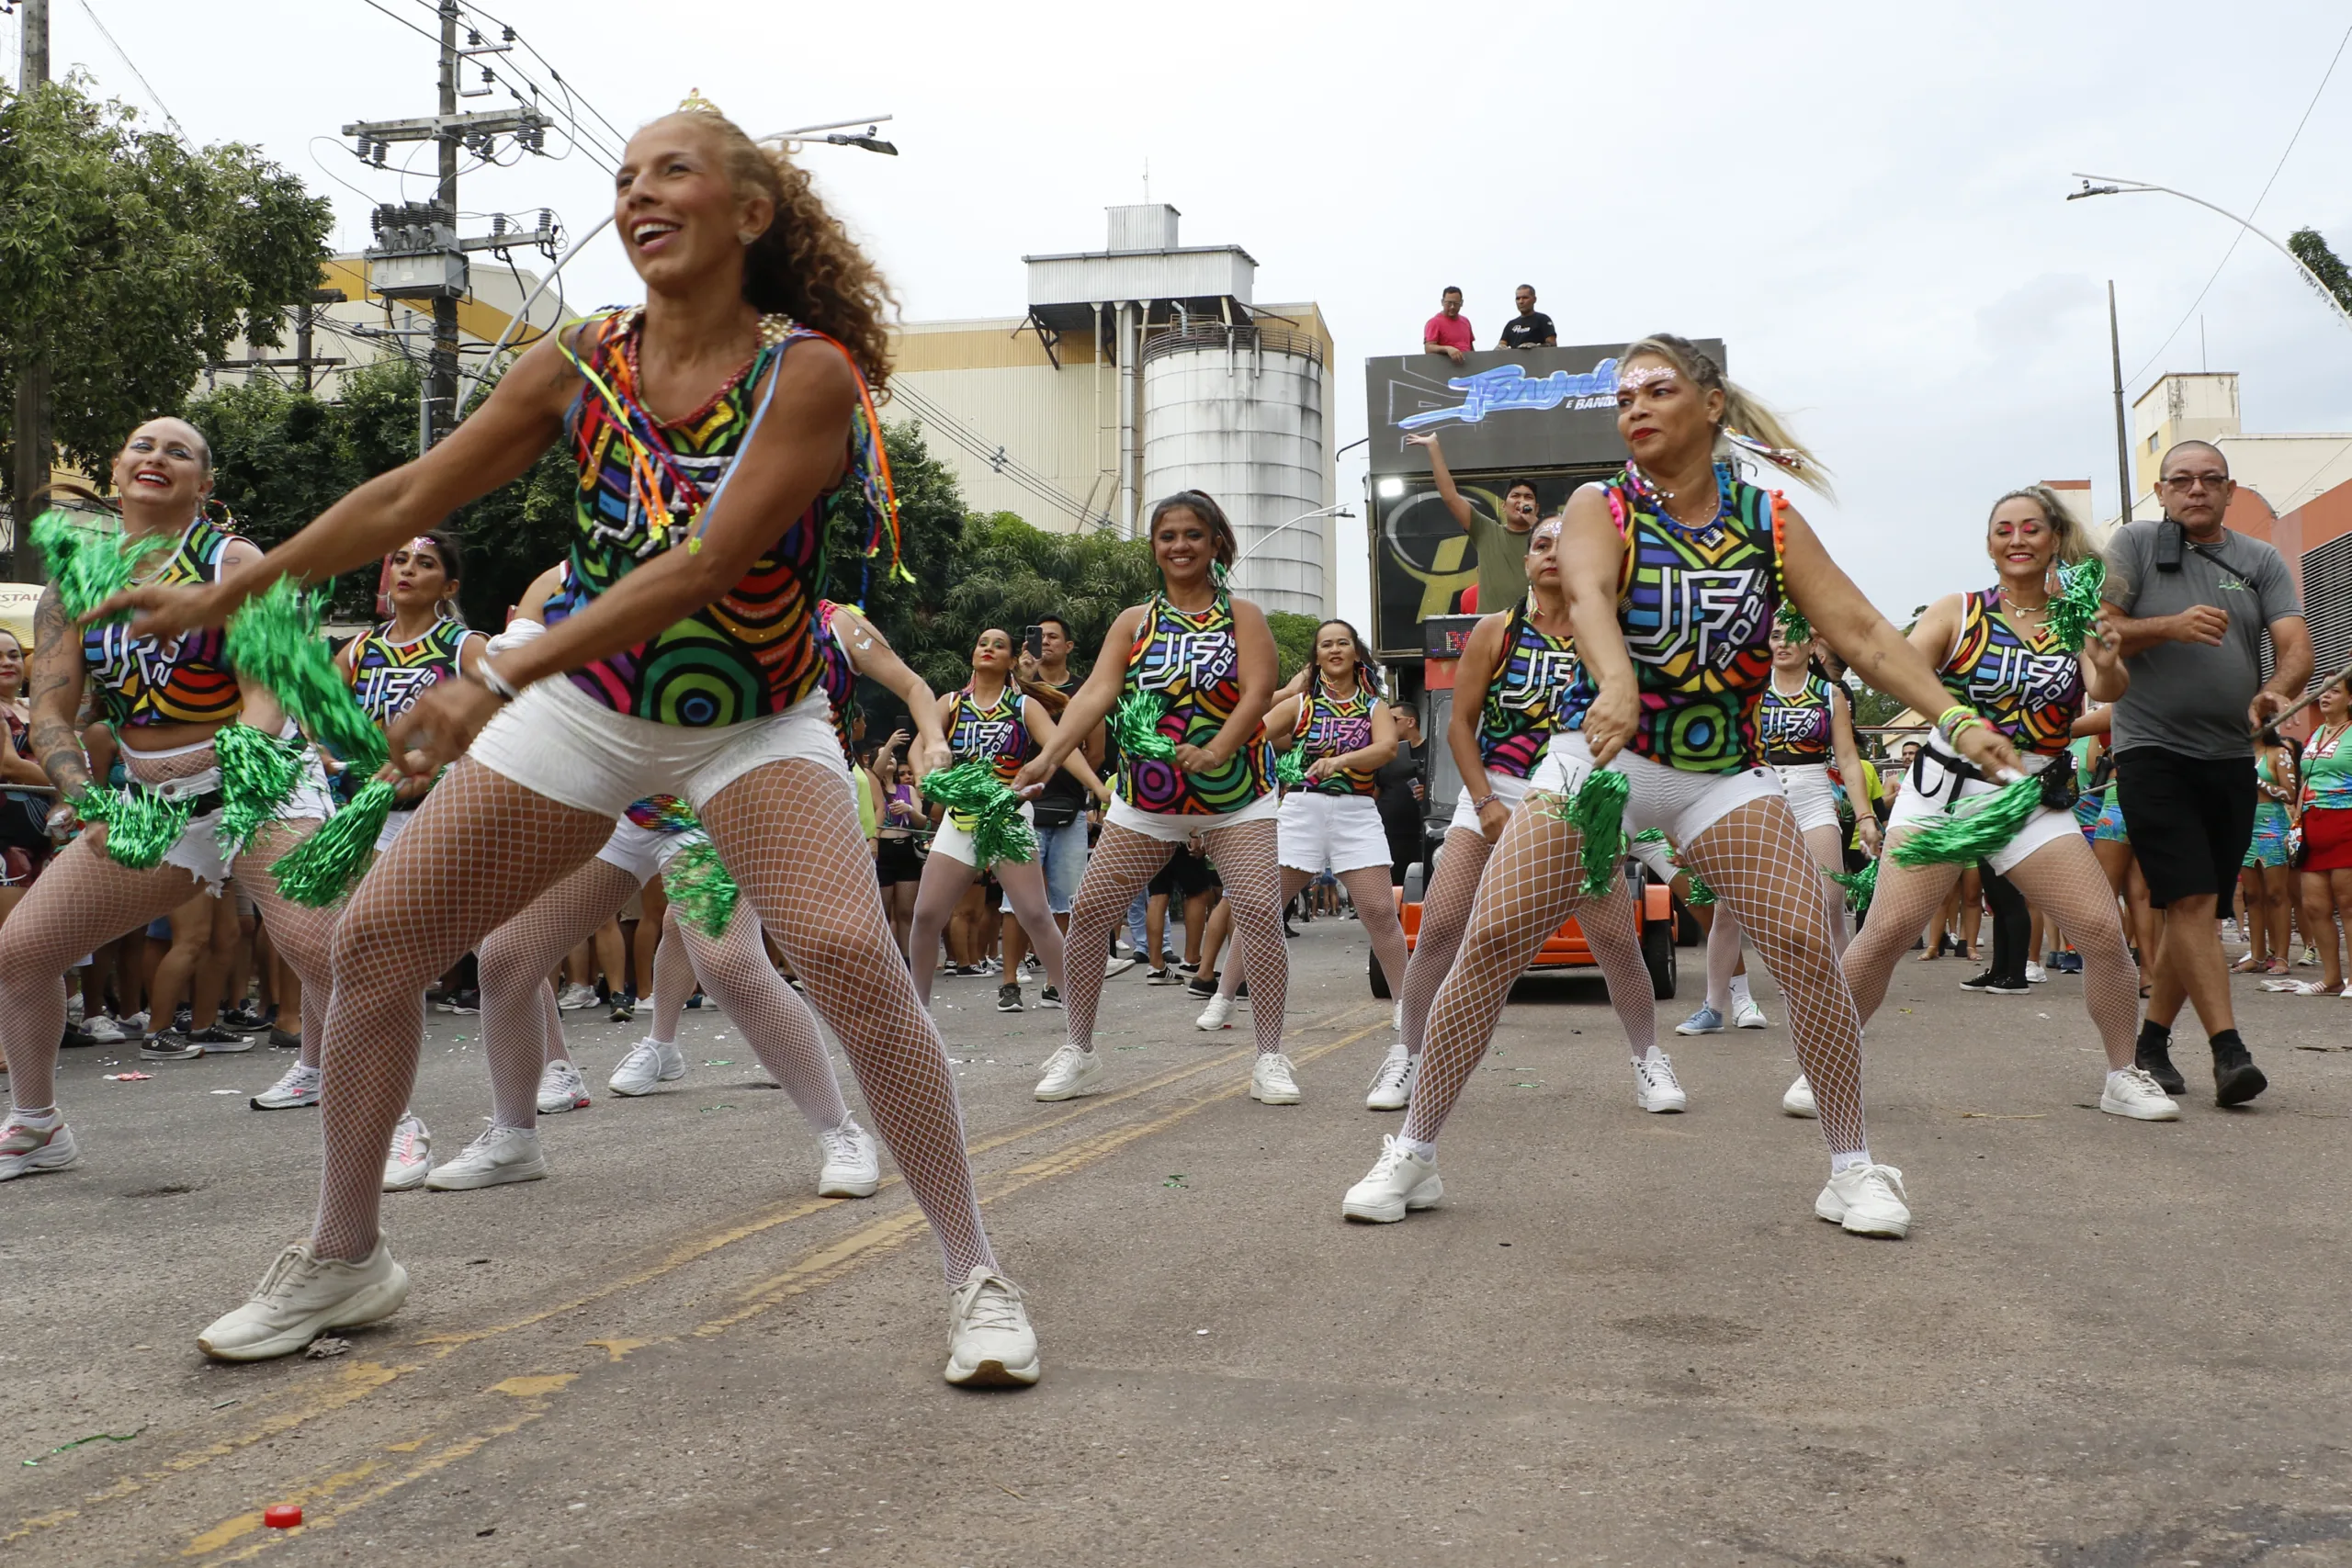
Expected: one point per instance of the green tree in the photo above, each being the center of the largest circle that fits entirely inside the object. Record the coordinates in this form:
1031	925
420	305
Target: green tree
131	260
1294	639
2310	248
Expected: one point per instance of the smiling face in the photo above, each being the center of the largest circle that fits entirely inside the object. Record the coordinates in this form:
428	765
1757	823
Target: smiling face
1183	544
1666	421
993	652
2020	539
1335	652
165	465
420	582
679	213
12	666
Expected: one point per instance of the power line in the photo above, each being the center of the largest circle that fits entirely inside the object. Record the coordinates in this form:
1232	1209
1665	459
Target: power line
2240	233
976	445
155	97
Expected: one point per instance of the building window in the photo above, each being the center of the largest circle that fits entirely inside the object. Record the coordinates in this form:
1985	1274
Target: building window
2152	444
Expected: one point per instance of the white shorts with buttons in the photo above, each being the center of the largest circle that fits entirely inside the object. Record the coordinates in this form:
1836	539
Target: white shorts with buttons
1680	804
1931	790
1807	786
1339	832
955	841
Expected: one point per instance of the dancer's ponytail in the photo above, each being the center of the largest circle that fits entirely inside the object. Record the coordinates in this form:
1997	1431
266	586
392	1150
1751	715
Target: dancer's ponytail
1748	424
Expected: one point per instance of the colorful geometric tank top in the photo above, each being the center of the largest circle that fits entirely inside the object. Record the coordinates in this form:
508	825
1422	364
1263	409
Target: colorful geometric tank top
388	677
2031	691
1696	607
1795	731
1191	662
995	734
837	680
186	681
1331	727
1524	700
643	486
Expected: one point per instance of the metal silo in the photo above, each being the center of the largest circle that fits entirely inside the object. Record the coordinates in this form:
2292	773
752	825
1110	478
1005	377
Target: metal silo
1238	410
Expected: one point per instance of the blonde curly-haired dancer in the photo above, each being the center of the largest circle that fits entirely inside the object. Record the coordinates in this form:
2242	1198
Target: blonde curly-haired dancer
1676	570
712	425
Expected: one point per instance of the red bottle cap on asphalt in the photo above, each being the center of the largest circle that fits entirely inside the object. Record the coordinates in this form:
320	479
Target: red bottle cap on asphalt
282	1516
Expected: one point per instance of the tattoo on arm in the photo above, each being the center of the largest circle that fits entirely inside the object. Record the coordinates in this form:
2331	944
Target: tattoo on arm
56	691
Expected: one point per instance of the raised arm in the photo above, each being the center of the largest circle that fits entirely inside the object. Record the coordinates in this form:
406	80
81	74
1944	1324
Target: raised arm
1455	502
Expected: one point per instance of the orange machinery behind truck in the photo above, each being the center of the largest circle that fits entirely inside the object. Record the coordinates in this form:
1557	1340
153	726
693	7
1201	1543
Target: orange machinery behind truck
1564	949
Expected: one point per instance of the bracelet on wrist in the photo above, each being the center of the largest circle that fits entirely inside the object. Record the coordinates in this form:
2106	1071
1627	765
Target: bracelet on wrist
1484	801
1957	720
497	684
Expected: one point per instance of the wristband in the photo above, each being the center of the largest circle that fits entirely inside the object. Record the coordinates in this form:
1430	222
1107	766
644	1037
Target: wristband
1481	803
487	673
1956	721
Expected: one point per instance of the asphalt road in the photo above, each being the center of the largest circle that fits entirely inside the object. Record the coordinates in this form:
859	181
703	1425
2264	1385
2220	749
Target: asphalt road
1622	1339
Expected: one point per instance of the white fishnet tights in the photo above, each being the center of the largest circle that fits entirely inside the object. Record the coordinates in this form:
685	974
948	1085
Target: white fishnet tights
1609	930
674	979
1125	860
777	1023
789	832
944	882
1726	940
1373	897
304	937
2064	880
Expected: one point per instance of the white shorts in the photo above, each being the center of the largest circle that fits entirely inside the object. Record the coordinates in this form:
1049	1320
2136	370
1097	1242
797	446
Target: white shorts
396	822
1918	804
558	742
1507	790
955	843
1658	856
1177	827
1810	797
1680	804
1335	832
198	849
646	852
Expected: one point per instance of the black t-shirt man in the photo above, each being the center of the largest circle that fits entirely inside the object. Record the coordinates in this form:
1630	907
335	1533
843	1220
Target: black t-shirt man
1530	328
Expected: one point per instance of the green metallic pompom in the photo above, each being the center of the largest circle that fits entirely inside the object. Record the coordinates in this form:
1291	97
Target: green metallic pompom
971	789
1860	885
258	775
330	862
1701	894
2074	609
1290	767
1135	729
274	642
1597	811
1966	837
142	826
701	888
1794	627
1650	836
90	561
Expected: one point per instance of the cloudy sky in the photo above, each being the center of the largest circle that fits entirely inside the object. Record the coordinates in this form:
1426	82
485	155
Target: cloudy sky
1864	202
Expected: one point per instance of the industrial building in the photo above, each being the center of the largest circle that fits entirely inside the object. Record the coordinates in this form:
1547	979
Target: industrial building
1141	369
2285	470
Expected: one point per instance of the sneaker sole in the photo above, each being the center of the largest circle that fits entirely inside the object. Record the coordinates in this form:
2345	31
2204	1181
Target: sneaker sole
1386	1105
467	1181
42	1164
1664	1108
862	1187
263	1102
993	1373
1425	1196
227	1048
371	1304
1687	1032
2114	1107
1803	1114
1745	1023
2240	1086
408	1183
560	1106
1276	1097
1887	1229
1075	1091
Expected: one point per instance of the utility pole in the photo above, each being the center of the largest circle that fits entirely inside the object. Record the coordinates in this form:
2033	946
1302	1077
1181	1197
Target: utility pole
2123	442
441	379
35	446
301	360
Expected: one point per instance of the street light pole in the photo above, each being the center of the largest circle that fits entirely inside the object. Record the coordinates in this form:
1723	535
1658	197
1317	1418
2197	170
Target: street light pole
2116	185
34	443
1340	510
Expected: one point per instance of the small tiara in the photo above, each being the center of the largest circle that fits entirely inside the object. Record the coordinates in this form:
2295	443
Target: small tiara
695	103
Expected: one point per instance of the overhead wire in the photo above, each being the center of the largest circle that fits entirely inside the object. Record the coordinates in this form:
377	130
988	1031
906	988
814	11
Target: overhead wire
977	446
122	54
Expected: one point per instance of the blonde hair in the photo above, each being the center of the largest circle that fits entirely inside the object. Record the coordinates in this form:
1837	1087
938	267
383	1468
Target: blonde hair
804	264
2073	545
1748	424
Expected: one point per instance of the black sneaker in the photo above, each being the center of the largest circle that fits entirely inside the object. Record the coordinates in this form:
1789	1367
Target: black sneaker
1008	998
218	1041
169	1047
2235	1077
281	1041
2153	1056
1050	998
1981	983
624	1008
1201	990
1188	969
1163	976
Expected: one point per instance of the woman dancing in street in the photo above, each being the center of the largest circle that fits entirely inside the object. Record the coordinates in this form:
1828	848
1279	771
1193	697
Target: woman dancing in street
1666	695
1206	659
1344	734
710	427
1514	671
1002	720
167	697
1998	658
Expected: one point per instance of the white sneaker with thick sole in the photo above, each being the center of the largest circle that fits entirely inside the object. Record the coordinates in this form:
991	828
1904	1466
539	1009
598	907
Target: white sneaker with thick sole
853	1166
409	1160
500	1156
561	1088
1656	1088
1392	1087
1115	967
2133	1094
1745	1014
1070	1072
301	1298
2036	975
1272	1080
1866	1199
1218	1015
571	998
989	1342
647	1065
31	1151
1400	1181
104	1031
299	1088
1798	1102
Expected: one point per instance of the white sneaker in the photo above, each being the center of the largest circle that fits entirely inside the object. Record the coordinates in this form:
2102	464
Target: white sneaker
1401	1180
500	1156
1867	1200
648	1064
2133	1094
300	1087
133	1024
1656	1088
301	1298
989	1342
1218	1015
1392	1087
29	1151
1745	1014
853	1163
561	1088
104	1031
1798	1102
1114	965
571	998
2035	975
1272	1082
411	1159
1070	1072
